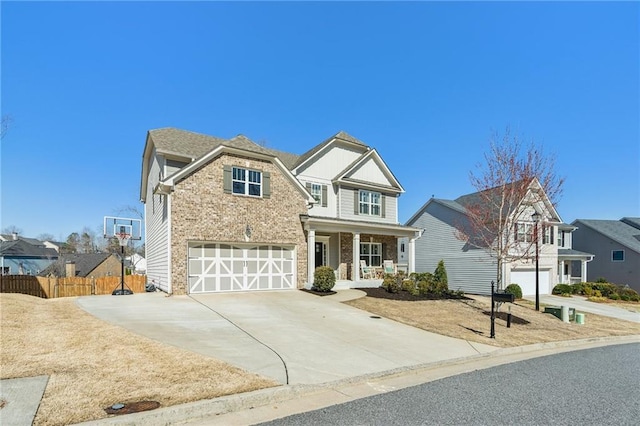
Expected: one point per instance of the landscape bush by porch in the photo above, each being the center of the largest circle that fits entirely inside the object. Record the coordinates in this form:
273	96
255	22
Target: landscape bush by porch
562	290
323	279
440	275
515	290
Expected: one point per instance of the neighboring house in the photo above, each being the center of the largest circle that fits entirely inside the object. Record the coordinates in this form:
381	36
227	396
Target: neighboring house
616	246
471	269
93	265
24	256
231	215
137	264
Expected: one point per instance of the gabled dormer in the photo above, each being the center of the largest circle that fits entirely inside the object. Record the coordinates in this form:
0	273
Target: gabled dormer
349	180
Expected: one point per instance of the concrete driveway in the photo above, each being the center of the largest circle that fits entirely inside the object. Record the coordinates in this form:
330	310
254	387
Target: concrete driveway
581	304
291	336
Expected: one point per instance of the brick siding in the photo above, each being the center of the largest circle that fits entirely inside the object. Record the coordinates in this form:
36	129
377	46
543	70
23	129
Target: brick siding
201	211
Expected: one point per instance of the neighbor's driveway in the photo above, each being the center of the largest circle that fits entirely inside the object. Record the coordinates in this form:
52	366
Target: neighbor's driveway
581	304
318	339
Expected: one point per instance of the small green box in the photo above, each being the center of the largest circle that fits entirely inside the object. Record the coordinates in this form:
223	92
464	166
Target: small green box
556	311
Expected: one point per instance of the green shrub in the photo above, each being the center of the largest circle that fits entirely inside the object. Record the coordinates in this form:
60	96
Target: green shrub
606	289
323	279
391	284
587	290
515	290
577	288
625	297
614	296
562	289
440	275
421	276
424	287
408	285
601	280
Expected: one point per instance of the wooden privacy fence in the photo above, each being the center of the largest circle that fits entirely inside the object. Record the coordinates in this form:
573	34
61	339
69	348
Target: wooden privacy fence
52	287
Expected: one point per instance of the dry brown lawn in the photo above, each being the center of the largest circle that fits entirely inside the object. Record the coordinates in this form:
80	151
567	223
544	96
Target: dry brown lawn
93	364
468	319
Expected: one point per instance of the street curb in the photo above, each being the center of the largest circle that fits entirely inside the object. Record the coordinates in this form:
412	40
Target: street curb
232	403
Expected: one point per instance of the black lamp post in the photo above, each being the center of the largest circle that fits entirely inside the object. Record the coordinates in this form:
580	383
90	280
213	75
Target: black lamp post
536	218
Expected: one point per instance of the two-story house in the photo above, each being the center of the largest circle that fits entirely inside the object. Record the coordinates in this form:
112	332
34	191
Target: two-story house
231	215
471	267
616	246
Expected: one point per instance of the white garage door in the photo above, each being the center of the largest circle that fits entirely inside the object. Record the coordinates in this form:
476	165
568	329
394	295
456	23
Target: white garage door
215	267
527	281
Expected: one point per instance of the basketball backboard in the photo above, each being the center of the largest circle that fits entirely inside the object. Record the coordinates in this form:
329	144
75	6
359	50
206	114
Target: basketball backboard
113	226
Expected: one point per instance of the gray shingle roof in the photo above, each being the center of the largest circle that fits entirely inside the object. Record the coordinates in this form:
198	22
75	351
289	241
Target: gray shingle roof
85	263
21	248
617	230
193	145
572	253
633	221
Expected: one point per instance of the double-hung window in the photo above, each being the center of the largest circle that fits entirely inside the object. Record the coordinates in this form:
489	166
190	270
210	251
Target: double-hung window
247	182
371	253
370	203
548	235
316	192
524	232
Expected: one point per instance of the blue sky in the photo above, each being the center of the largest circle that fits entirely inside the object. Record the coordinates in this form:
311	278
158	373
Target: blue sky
425	84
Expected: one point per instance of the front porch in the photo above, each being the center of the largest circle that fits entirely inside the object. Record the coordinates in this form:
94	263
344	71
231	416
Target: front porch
572	266
344	245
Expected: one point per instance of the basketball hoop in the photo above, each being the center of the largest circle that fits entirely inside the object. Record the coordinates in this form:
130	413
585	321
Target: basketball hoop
123	238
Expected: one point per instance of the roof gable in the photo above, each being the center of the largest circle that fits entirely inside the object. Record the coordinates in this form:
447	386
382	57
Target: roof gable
369	169
340	137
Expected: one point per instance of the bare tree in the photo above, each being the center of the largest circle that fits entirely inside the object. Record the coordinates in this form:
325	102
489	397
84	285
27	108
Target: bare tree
513	176
12	229
45	236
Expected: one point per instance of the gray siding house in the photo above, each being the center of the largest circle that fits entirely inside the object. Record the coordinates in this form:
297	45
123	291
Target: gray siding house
471	269
616	246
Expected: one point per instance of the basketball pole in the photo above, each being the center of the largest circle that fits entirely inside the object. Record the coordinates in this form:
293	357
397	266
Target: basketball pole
121	269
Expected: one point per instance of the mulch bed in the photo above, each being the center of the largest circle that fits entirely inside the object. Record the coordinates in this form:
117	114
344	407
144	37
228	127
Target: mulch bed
318	293
381	293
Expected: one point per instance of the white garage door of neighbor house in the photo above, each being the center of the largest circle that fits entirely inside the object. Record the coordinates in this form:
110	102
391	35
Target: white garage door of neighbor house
527	281
215	267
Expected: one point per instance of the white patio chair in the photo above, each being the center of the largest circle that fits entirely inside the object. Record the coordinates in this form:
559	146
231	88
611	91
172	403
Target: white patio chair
389	267
366	272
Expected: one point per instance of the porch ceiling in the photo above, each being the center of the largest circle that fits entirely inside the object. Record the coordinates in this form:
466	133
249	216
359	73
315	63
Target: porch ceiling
323	224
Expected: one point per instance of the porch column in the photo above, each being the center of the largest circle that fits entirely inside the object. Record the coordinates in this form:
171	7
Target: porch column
583	271
561	272
355	269
412	255
311	260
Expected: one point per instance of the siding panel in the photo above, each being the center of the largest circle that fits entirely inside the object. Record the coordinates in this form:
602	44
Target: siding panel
156	229
470	270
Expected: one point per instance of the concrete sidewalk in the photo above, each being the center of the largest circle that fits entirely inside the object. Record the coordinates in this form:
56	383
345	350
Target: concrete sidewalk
581	304
291	336
20	399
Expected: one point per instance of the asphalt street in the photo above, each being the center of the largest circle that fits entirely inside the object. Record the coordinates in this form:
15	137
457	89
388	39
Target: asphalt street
599	386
